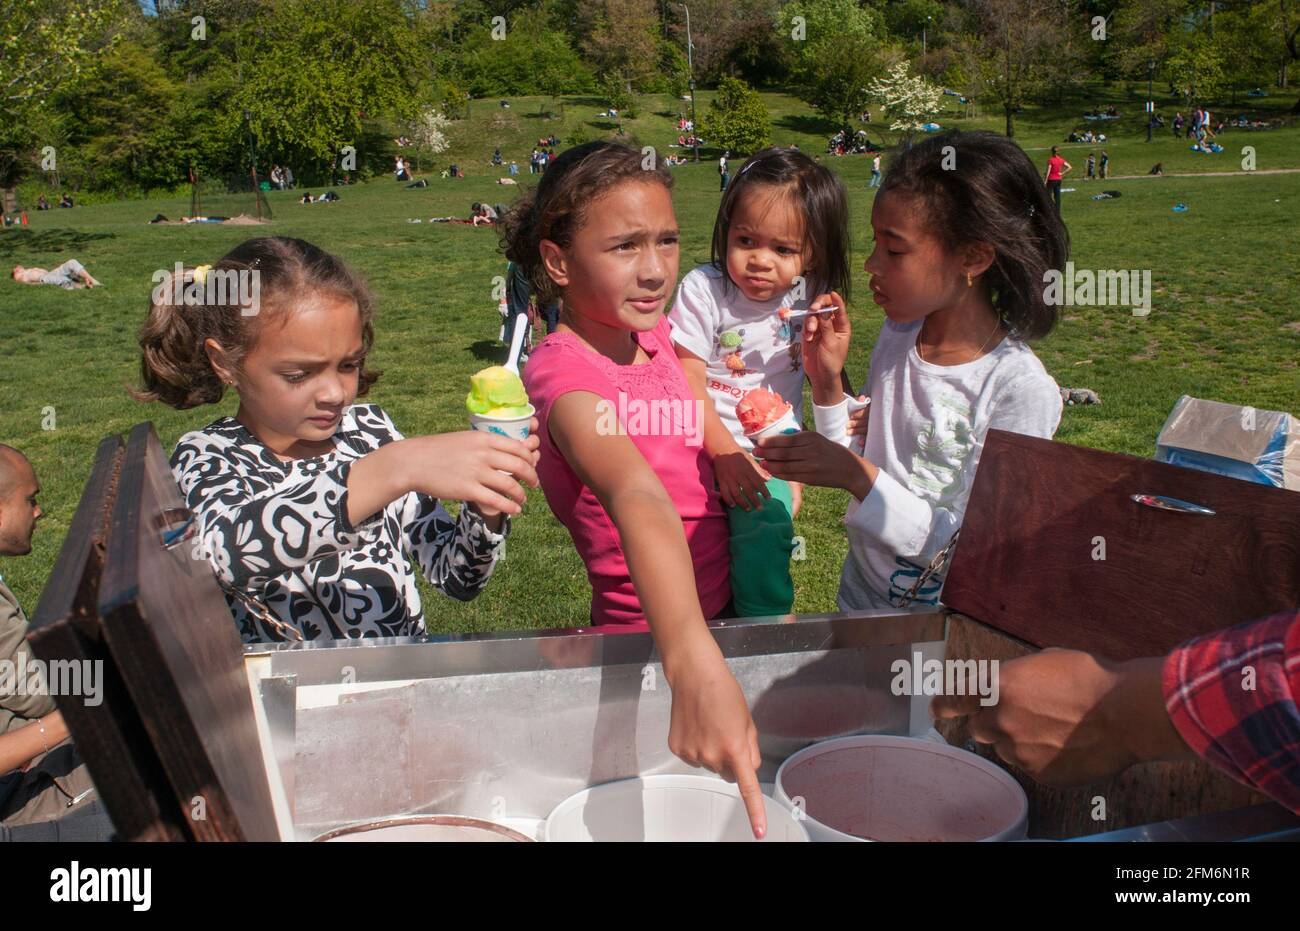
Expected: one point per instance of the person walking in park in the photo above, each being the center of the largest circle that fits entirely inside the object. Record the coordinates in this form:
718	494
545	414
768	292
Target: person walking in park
722	171
875	170
1104	165
1057	168
1090	169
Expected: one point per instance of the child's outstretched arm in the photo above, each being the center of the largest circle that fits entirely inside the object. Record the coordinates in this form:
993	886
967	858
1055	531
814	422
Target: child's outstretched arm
458	556
711	725
888	513
251	534
742	482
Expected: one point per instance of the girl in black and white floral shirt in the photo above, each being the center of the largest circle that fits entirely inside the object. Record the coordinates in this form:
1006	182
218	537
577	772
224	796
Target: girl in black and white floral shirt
308	505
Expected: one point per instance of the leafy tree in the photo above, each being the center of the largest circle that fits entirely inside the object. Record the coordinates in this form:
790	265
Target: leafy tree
622	38
614	90
909	101
43	45
736	119
114	118
532	59
1012	50
428	133
316	69
814	28
836	81
1196	70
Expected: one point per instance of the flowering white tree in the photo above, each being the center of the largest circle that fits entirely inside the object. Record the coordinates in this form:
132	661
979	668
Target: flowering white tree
428	133
909	101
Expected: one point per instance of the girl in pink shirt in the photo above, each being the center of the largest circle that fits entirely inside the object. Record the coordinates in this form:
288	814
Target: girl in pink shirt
622	462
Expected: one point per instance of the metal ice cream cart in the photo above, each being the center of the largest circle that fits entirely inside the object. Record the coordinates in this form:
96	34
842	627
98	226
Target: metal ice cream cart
200	738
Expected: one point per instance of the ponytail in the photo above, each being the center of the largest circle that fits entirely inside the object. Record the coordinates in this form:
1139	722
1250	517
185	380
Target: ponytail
174	364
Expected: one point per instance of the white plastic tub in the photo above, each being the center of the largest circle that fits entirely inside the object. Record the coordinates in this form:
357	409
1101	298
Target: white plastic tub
425	829
665	808
901	789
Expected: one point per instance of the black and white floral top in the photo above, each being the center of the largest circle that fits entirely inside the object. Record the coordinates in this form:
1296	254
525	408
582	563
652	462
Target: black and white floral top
280	532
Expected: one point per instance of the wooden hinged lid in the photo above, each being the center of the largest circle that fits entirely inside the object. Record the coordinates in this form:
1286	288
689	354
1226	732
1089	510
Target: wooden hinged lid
183	723
108	733
1055	552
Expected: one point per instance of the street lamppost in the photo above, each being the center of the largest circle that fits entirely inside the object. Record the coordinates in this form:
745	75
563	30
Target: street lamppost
690	67
1151	107
923	28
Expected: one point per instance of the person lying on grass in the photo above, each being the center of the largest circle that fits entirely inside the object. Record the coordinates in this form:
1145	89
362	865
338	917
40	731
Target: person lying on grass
70	275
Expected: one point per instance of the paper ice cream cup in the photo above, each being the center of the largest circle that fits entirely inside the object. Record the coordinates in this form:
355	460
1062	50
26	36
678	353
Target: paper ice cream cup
514	427
787	423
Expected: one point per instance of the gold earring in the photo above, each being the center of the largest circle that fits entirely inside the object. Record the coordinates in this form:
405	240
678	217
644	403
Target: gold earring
969	281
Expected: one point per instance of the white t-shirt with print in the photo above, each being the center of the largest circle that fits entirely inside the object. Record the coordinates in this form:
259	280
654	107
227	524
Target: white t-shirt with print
926	430
716	323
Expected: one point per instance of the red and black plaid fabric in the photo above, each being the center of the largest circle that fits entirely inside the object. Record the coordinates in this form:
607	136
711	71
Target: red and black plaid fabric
1232	696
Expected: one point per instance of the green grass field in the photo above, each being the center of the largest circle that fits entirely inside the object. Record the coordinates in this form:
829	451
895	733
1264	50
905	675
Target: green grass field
1224	323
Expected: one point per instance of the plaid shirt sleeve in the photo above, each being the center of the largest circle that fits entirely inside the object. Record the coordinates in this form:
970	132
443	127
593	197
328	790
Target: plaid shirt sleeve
1232	696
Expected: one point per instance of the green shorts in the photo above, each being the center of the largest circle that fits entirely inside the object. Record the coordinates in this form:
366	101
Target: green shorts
761	543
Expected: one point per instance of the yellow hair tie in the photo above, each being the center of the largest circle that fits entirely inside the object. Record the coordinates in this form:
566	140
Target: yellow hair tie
201	272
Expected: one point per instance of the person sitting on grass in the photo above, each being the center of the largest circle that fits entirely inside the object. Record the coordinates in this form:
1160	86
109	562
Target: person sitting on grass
42	203
482	215
70	275
66	201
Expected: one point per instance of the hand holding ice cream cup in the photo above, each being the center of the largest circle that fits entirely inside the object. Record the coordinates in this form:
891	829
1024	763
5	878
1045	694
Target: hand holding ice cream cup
498	403
763	414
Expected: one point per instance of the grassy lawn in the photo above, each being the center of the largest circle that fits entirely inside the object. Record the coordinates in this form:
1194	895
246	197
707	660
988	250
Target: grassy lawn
1224	322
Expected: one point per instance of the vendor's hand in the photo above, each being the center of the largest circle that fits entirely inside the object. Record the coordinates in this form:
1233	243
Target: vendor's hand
1070	718
811	458
742	482
711	727
826	340
472	466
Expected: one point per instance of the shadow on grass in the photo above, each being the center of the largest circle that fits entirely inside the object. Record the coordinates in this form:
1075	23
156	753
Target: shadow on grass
488	350
806	123
13	241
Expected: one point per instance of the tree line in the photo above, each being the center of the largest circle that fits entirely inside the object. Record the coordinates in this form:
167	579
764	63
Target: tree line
133	95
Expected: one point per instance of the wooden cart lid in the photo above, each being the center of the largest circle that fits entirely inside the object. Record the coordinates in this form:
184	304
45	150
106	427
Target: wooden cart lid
171	636
107	731
1055	551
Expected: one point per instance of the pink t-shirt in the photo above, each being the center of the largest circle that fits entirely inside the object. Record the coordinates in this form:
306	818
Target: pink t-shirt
562	364
1054	166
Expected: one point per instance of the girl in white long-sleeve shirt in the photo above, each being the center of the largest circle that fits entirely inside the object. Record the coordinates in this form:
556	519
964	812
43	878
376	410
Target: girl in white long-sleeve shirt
964	233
